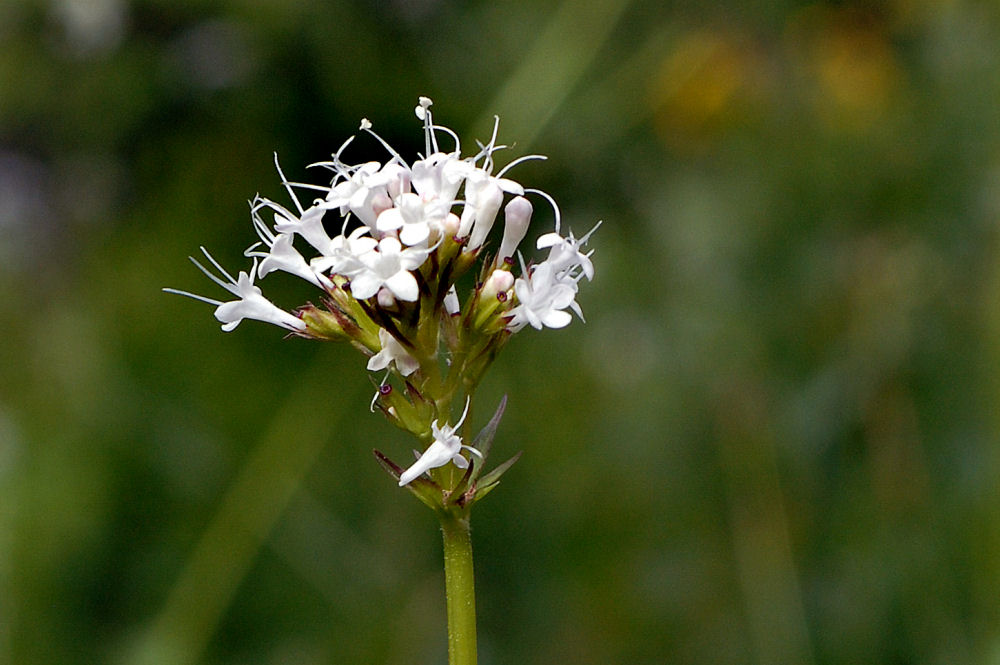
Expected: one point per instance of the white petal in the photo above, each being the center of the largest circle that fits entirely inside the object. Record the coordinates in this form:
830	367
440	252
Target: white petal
510	186
407	364
379	361
415	234
404	286
436	455
389	220
548	240
556	318
364	285
257	308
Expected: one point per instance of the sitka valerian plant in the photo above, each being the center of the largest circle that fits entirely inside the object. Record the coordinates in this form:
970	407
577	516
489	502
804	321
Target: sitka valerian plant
389	284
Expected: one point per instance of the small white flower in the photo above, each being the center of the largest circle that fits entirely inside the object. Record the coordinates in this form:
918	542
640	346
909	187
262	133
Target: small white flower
439	176
406	211
389	266
360	193
251	304
447	447
309	225
542	298
392	352
282	255
414	218
343	255
565	255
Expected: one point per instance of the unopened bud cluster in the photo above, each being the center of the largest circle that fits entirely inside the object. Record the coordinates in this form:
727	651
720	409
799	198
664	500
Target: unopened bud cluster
389	283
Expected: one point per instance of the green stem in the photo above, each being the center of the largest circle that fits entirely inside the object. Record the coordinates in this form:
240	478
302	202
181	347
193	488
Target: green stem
459	588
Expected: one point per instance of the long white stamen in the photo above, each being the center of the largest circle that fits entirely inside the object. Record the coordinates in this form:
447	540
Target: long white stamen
452	134
468	400
491	146
214	263
306	185
589	233
388	147
263	231
551	201
518	161
210	301
287	185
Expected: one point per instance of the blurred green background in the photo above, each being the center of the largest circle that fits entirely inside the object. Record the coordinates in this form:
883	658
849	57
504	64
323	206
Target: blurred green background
775	440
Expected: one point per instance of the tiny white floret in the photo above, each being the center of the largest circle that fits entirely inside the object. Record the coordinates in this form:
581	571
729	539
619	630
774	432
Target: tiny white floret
251	303
392	352
542	297
447	447
389	266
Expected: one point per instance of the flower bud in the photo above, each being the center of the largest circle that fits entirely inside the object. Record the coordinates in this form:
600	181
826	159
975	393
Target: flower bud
499	281
451	225
385	298
487	206
322	324
492	294
517	217
474	184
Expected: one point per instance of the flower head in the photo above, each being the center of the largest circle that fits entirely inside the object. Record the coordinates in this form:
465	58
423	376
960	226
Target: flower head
413	233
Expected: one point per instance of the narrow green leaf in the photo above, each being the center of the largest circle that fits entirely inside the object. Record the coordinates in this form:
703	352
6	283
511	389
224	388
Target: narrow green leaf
483	491
484	440
490	480
391	467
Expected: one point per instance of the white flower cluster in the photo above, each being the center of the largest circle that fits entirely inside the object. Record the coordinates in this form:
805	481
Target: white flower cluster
405	212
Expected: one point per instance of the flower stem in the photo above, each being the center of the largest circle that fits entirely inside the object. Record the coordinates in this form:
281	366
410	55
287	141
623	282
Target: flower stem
459	588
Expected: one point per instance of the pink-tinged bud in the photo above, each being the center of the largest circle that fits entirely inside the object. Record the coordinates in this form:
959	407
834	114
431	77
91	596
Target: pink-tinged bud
385	298
517	217
499	282
451	225
487	206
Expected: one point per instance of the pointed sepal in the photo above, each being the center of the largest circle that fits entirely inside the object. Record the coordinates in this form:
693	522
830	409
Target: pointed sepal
460	494
484	440
488	482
